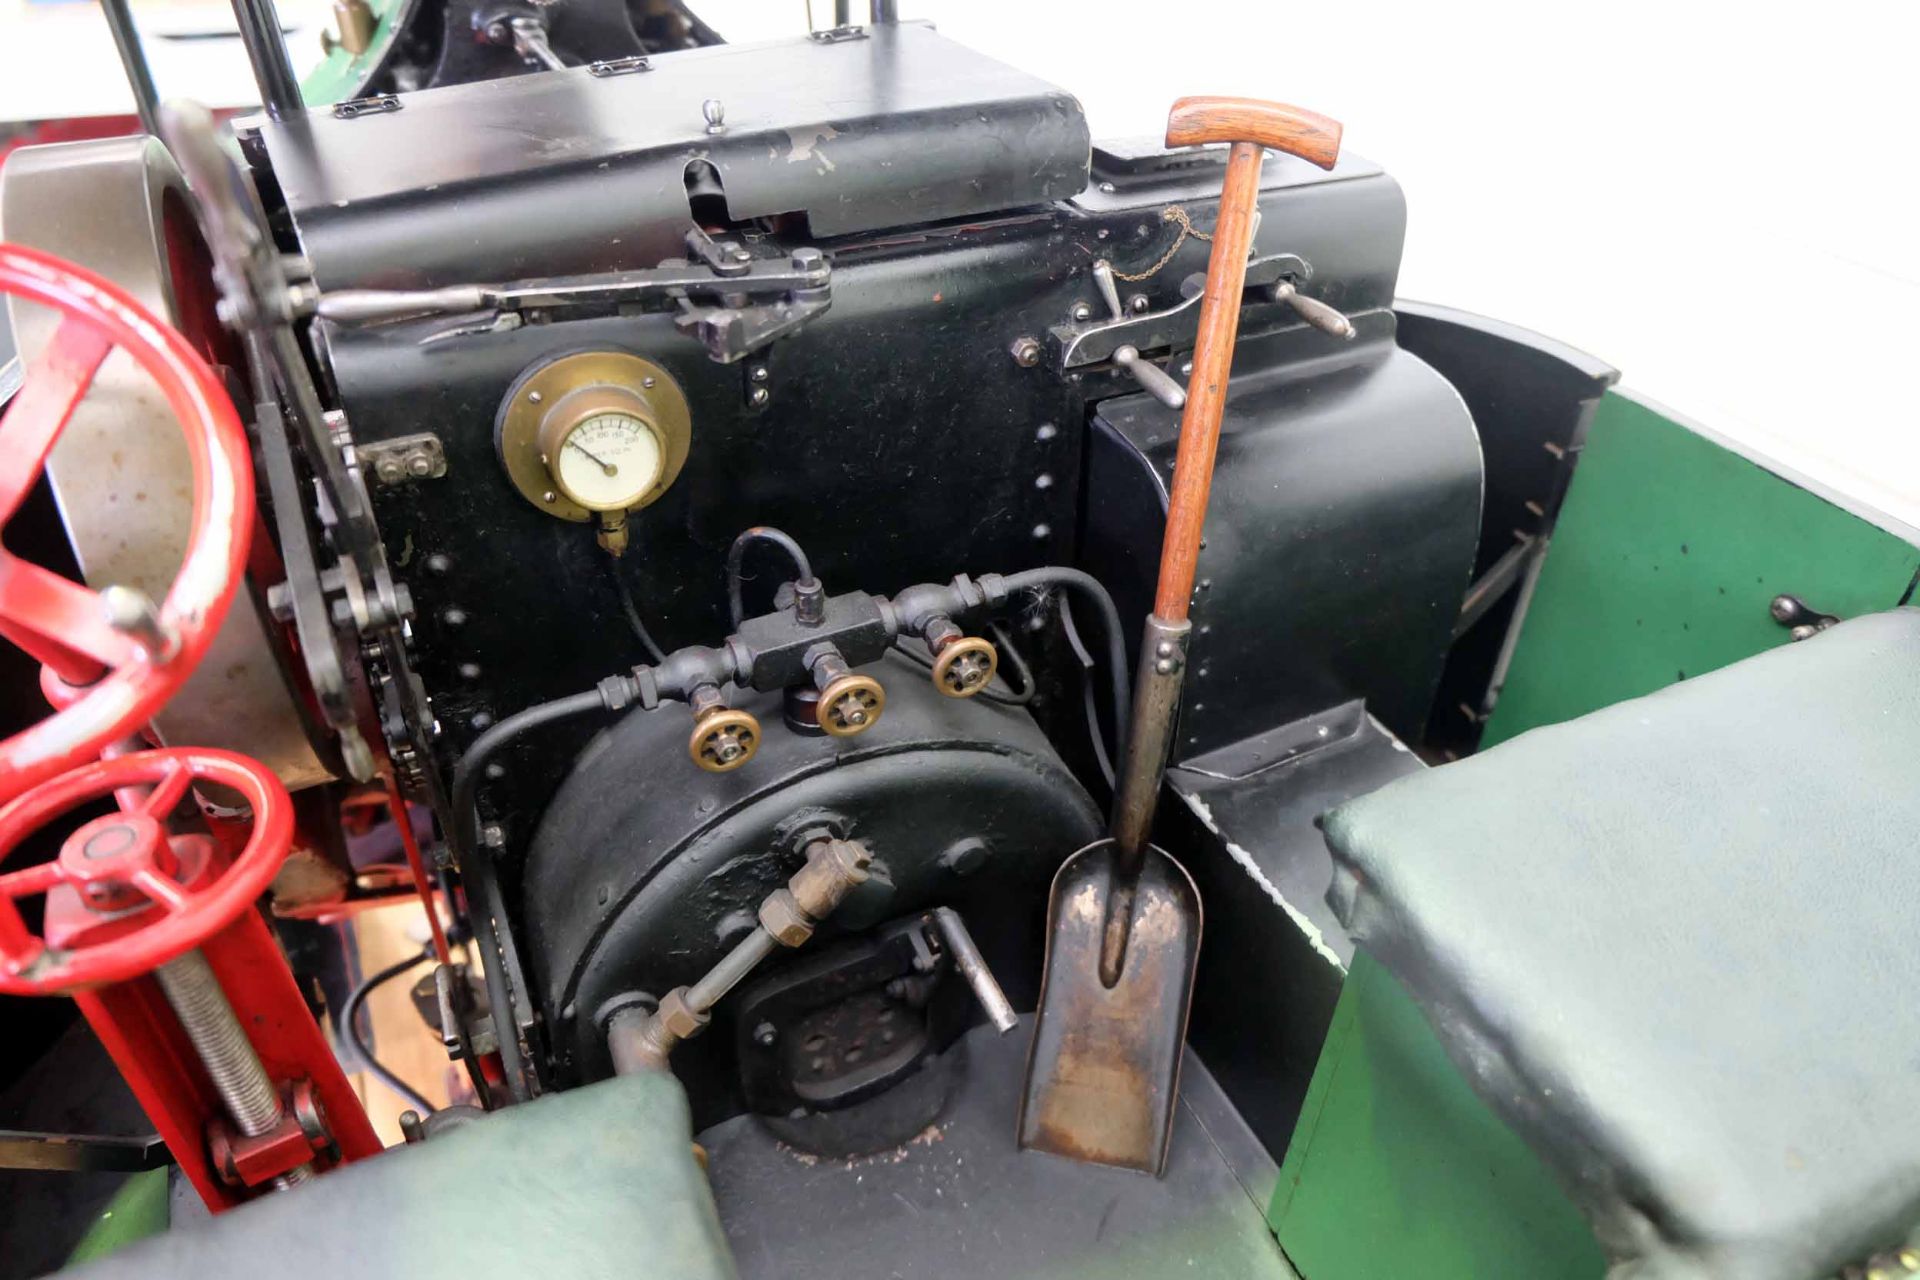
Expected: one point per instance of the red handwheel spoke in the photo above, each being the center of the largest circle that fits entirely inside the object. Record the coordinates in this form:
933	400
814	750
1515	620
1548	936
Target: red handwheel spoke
17	943
59	622
95	676
53	387
113	857
28	881
167	792
163	889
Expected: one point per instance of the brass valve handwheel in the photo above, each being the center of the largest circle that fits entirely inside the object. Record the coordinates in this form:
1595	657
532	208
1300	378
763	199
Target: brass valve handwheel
965	667
724	739
852	704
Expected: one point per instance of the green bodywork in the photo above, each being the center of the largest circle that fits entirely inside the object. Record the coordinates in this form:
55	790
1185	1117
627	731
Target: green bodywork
1666	555
340	74
1399	1169
140	1208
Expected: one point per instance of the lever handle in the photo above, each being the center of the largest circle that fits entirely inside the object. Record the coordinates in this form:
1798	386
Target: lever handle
1109	291
1315	312
1274	125
373	306
1151	377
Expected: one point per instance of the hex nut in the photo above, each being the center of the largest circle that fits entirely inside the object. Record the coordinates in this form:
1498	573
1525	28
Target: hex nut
784	921
678	1017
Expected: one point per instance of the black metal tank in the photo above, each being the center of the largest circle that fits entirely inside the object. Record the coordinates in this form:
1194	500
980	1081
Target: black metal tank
645	869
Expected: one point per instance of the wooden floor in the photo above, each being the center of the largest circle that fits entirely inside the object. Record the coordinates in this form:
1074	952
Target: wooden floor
404	1043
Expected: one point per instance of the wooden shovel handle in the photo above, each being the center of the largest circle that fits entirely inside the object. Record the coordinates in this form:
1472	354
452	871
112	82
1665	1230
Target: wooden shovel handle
1250	126
1274	125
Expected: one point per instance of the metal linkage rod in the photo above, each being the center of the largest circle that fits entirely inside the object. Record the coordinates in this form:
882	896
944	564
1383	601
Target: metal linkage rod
266	45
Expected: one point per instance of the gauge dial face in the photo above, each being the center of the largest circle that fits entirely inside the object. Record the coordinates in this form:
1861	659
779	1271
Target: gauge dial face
608	461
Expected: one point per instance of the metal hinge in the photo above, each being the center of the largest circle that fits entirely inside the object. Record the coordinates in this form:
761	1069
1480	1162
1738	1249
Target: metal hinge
620	66
379	103
838	35
404	458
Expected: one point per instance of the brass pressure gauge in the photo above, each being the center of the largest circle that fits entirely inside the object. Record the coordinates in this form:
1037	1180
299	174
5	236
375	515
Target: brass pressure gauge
600	433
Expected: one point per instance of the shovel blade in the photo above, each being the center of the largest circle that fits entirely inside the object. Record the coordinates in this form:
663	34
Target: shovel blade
1103	1074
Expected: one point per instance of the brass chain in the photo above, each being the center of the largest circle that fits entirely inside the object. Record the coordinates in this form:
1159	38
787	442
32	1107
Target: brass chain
1178	216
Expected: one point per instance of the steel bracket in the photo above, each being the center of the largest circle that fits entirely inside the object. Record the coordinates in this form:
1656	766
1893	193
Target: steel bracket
1077	344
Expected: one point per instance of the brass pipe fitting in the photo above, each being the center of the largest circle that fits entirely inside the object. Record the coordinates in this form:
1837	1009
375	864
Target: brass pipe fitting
641	1041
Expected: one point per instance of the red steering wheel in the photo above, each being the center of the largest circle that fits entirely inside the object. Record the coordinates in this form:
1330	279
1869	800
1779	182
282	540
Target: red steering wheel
123	896
110	661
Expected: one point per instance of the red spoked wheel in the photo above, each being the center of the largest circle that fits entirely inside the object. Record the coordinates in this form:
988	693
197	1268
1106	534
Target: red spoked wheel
111	657
123	896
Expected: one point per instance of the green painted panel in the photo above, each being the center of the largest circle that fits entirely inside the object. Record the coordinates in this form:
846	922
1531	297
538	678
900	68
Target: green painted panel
138	1210
339	74
1667	551
1399	1169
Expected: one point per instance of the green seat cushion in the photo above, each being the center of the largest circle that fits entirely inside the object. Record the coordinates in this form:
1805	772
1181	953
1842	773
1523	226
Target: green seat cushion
1676	945
596	1182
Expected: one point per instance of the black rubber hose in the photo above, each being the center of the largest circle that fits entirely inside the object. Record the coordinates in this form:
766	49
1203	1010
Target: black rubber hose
349	1029
1021	695
736	555
1088	588
467	776
627	606
1087	683
473	765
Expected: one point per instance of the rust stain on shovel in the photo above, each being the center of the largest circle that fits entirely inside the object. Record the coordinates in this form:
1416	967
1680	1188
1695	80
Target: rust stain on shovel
1104	1069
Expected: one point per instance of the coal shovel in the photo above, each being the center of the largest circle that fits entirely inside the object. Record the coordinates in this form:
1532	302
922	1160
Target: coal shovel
1103	1074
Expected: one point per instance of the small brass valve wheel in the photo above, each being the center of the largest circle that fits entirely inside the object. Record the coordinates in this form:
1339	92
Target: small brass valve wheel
964	666
851	704
723	739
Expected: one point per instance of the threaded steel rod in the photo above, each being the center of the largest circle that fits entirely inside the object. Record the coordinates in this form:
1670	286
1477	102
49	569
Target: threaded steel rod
244	1087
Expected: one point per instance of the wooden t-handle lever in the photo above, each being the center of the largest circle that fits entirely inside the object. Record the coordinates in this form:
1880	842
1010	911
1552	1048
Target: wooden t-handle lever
1249	125
1275	125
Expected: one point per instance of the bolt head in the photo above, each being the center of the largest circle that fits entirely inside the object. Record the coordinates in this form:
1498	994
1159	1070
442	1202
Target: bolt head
1138	304
419	465
1164	666
534	397
1081	311
758	373
1025	352
759	397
